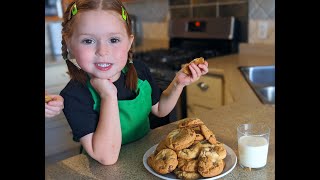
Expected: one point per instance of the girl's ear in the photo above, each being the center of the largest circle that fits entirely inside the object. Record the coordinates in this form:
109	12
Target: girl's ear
131	38
67	43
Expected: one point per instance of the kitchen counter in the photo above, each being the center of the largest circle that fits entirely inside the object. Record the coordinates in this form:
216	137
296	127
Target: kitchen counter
223	121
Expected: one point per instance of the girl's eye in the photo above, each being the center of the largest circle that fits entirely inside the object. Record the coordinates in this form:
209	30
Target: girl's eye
114	40
87	41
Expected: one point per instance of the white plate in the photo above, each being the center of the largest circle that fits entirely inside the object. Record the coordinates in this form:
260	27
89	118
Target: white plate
230	160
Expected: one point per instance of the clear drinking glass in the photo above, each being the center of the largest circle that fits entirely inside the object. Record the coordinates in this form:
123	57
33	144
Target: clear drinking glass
253	144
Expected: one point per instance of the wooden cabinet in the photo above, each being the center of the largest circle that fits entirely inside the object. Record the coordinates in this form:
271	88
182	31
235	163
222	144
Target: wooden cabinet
205	94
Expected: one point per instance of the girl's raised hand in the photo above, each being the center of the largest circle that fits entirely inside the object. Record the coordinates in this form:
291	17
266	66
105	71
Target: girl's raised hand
54	106
196	72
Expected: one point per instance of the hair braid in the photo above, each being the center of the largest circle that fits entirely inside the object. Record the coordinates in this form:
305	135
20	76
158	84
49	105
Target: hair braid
73	71
132	77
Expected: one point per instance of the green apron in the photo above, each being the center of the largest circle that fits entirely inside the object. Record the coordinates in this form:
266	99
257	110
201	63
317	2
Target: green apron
134	114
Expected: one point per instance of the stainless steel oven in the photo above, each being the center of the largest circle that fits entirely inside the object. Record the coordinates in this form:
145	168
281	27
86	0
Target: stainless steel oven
189	38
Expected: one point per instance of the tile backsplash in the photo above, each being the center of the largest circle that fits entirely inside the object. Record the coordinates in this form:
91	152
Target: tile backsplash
261	21
154	16
155	30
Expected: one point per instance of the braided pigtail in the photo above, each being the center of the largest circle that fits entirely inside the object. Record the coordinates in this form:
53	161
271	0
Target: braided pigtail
132	77
74	71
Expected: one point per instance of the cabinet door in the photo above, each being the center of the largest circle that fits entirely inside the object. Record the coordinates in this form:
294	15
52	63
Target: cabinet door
194	109
206	93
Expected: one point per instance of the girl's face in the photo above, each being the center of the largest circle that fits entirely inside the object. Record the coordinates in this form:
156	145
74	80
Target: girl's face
100	43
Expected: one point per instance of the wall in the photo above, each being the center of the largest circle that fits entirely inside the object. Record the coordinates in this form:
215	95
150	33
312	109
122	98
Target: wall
261	12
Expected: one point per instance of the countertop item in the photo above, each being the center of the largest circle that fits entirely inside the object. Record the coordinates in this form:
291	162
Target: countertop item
223	121
230	162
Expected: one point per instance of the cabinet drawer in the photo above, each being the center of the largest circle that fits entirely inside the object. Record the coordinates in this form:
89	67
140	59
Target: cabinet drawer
206	86
205	94
206	102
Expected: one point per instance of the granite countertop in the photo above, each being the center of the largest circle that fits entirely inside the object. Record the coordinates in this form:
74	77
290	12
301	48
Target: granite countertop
245	107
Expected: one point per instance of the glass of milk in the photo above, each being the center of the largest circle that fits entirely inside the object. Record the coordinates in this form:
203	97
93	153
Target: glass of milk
253	143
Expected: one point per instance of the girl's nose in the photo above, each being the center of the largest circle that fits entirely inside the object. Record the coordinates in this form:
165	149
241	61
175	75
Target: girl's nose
102	49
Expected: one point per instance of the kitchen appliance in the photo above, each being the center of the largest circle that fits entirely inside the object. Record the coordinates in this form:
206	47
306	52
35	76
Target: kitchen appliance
136	28
189	38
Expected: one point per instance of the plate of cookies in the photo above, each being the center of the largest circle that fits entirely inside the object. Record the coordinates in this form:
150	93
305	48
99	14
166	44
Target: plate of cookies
190	151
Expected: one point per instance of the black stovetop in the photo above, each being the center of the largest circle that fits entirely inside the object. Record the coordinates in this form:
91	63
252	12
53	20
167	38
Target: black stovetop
171	59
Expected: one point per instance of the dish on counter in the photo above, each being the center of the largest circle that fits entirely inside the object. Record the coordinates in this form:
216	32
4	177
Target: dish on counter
230	160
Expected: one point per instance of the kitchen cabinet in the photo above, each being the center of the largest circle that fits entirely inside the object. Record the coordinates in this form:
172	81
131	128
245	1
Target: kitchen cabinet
205	94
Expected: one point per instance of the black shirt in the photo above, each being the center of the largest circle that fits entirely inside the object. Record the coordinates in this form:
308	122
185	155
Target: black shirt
78	102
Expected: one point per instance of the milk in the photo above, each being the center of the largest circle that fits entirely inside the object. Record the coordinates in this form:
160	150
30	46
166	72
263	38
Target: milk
253	151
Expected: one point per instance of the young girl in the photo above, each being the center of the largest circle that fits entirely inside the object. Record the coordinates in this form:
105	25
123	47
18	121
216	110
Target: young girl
109	97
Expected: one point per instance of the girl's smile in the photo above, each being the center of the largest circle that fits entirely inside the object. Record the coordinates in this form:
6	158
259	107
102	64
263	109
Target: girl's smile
103	66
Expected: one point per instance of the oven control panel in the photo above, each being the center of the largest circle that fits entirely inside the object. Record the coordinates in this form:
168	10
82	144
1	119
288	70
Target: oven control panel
197	26
203	28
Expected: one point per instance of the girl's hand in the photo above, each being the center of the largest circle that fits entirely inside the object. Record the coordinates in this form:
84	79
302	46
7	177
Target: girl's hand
54	107
104	87
197	71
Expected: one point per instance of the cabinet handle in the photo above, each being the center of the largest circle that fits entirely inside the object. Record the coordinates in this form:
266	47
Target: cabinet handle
203	86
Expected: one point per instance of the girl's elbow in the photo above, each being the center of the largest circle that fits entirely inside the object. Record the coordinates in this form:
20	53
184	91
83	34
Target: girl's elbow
160	115
107	160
